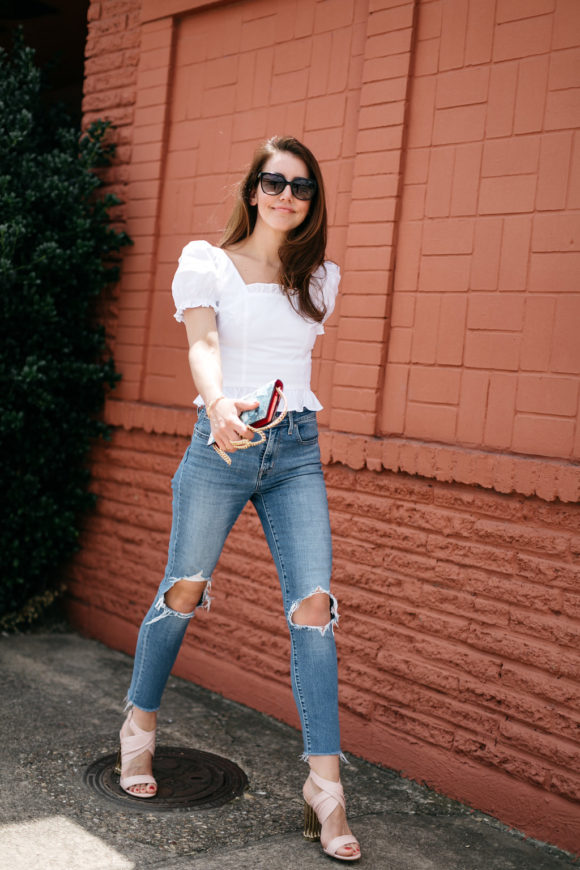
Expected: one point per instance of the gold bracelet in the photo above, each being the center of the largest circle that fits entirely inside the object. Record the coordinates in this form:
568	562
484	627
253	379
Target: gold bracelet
213	402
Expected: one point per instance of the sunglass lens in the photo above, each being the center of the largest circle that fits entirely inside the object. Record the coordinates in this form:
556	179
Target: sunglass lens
272	184
303	189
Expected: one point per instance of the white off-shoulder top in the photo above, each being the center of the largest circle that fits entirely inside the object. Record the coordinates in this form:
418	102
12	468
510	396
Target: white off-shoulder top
261	335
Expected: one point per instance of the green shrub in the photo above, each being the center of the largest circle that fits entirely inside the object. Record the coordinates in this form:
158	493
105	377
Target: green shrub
57	254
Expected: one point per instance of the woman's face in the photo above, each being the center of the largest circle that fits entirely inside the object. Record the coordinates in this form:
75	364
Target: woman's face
283	211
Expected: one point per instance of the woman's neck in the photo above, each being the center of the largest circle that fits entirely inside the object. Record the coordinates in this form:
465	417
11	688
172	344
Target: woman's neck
256	257
263	246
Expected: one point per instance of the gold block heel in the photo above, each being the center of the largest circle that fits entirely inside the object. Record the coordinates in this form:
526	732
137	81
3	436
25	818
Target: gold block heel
311	823
117	767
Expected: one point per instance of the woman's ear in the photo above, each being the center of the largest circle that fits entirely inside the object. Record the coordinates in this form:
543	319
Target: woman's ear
253	199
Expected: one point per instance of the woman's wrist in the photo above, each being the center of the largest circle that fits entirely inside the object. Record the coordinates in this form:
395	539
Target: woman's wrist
210	407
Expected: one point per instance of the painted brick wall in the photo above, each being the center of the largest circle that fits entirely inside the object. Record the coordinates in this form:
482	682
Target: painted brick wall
483	348
111	65
449	372
429	351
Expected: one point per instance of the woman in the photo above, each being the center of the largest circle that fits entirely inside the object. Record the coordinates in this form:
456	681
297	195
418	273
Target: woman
253	308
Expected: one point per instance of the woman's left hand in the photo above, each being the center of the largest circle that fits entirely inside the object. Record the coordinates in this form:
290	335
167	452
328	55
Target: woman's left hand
226	425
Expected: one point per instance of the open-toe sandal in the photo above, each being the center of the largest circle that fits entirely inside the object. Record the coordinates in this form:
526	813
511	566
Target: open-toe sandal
133	745
317	809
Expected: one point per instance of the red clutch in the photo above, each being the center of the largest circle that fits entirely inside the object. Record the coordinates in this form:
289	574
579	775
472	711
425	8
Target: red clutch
269	398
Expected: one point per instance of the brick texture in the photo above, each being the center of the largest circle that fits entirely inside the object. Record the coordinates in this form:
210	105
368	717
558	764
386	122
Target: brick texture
493	127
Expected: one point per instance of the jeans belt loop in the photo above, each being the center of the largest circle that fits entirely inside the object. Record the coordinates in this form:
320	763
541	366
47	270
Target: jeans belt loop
290	422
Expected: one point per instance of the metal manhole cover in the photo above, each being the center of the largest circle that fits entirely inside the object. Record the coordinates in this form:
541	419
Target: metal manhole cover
186	779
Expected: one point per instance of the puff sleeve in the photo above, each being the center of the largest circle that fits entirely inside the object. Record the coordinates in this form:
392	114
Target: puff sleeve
195	283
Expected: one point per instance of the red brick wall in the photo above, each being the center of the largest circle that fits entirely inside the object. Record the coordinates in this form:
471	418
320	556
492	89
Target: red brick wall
483	348
448	135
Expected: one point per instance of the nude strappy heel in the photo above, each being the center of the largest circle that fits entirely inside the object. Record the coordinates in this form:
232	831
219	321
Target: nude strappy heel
318	808
133	745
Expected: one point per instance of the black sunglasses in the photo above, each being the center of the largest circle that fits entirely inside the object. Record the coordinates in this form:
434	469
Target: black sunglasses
273	184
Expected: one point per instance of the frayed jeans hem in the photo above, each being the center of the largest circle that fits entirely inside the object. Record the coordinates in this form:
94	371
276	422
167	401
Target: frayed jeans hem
306	756
129	704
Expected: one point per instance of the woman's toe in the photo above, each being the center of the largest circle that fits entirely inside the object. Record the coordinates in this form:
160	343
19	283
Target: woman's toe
349	850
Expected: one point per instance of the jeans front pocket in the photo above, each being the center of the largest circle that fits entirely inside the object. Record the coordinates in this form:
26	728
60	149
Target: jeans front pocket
202	428
307	430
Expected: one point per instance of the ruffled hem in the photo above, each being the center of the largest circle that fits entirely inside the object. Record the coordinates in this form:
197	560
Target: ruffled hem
197	303
298	399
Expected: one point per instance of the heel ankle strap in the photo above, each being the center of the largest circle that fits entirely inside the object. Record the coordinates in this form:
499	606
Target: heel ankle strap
329	786
133	745
130	720
326	801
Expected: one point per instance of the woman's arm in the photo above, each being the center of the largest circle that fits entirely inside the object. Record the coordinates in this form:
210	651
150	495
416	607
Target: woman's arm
204	352
205	365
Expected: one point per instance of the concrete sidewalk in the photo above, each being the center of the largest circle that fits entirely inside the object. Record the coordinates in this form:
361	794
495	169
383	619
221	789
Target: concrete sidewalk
61	710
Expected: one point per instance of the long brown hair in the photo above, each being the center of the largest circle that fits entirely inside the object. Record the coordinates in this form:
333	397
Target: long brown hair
305	246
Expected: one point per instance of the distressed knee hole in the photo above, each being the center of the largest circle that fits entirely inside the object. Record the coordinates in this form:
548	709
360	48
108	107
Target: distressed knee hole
181	600
318	611
313	611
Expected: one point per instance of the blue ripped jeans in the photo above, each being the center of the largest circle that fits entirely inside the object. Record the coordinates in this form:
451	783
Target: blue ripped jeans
283	480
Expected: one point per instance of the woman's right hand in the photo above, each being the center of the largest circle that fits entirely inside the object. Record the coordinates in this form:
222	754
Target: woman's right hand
225	422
